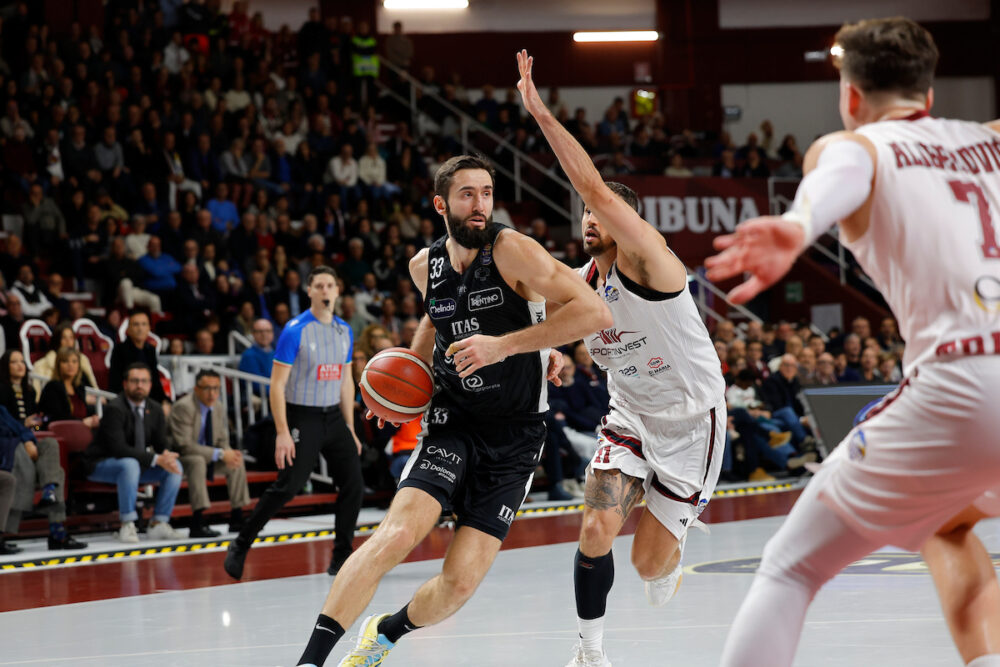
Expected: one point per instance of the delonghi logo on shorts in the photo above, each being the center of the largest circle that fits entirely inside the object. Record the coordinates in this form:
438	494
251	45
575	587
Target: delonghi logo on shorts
475	384
440	309
485	298
472	382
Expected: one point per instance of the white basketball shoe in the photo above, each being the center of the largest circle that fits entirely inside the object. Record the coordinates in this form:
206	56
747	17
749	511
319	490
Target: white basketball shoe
660	591
585	658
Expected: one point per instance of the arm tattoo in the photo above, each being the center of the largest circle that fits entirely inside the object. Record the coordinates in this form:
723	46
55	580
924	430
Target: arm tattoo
612	489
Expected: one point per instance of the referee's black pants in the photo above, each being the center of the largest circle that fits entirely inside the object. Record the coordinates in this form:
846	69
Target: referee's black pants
315	431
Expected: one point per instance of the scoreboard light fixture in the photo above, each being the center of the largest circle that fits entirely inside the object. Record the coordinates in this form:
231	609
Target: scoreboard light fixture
617	36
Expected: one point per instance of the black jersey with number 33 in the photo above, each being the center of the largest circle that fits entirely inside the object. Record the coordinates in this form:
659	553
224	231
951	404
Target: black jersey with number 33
479	301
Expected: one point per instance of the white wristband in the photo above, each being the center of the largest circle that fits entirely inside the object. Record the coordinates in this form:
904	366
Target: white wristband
836	188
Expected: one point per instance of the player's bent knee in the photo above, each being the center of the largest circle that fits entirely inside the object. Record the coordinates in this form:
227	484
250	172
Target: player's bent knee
649	565
597	534
394	542
462	585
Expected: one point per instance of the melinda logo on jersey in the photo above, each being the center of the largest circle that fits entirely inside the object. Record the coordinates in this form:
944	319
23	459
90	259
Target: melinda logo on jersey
441	309
611	338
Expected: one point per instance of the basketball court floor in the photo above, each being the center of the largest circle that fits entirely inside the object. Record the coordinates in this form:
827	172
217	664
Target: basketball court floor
177	607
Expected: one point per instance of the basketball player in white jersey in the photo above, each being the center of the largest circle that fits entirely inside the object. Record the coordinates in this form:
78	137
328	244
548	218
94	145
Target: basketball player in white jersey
664	436
918	202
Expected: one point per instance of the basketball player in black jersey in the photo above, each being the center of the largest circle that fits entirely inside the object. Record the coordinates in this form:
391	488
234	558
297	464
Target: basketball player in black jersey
484	288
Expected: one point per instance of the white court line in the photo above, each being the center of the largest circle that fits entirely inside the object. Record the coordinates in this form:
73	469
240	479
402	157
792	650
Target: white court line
654	628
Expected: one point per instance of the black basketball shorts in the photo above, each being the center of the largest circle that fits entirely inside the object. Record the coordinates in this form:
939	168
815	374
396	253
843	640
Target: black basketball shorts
481	472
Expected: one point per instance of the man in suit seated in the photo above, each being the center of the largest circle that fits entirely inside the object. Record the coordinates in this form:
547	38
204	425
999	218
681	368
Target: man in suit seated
129	449
198	431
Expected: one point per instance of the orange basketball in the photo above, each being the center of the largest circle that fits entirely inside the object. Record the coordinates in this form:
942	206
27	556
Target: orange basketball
397	385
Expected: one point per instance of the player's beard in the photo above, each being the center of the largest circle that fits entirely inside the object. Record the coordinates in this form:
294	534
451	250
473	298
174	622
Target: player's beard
467	236
604	244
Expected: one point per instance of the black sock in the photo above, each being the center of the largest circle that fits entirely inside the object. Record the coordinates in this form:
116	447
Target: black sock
198	518
592	579
325	635
397	625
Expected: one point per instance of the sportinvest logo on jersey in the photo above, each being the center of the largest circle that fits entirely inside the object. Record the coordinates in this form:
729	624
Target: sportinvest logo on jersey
614	344
441	309
485	298
691	211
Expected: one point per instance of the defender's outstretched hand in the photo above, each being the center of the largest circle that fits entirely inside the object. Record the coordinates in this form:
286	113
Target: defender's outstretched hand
529	94
764	247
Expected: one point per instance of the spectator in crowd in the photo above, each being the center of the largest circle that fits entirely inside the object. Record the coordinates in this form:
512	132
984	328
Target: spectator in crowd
13	320
45	228
826	373
807	366
816	344
350	314
120	278
373	339
204	342
160	269
54	293
342	176
852	350
888	334
33	462
869	366
8	486
137	348
780	394
861	327
677	169
193	303
291	293
172	170
130	448
63	397
726	166
62	336
258	357
888	368
33	299
843	369
399	47
755	167
199	433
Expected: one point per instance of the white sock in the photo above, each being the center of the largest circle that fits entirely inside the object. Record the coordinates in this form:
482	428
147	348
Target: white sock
991	660
592	634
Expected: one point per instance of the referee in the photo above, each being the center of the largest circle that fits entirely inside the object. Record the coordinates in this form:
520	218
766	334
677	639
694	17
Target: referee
312	400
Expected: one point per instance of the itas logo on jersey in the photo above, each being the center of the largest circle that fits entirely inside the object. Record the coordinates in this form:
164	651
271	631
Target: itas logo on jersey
506	514
485	298
328	372
616	347
441	309
465	327
611	293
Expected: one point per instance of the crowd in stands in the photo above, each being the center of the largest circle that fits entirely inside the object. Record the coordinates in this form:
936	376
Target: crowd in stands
188	168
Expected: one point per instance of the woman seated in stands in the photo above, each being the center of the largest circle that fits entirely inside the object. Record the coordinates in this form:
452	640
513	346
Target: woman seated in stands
36	460
62	336
64	396
373	339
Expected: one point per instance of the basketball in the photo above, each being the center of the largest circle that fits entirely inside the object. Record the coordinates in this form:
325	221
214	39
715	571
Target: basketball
396	385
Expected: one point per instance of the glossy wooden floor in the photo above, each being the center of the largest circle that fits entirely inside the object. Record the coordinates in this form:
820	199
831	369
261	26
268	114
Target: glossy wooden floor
70	584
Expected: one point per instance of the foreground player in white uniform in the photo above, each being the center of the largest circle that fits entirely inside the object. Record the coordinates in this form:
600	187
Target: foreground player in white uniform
665	433
918	201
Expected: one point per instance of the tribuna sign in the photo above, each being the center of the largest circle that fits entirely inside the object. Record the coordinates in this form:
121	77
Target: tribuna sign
715	215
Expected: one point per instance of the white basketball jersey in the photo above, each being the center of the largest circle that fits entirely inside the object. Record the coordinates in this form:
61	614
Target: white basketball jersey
658	356
932	247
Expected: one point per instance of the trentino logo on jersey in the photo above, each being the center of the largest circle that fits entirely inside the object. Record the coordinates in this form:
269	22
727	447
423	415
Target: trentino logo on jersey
441	309
485	298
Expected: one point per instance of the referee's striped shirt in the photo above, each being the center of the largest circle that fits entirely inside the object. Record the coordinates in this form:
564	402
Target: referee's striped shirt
320	357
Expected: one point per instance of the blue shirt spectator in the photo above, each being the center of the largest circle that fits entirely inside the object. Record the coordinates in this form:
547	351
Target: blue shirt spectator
257	359
224	213
161	269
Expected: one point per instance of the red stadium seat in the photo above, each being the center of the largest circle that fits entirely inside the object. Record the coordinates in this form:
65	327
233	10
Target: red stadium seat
96	346
35	335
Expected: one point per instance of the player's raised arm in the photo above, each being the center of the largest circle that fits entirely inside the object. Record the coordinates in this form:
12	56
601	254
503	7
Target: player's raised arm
840	170
622	221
